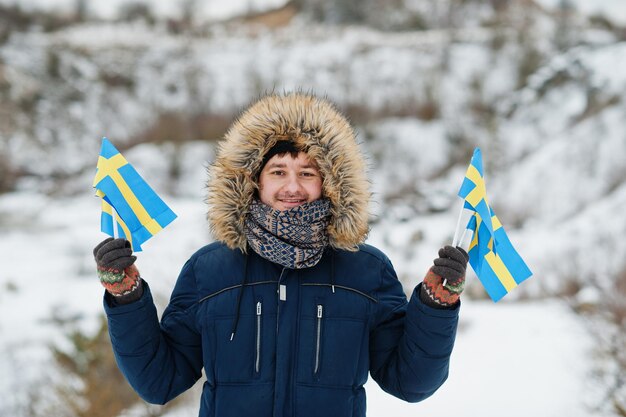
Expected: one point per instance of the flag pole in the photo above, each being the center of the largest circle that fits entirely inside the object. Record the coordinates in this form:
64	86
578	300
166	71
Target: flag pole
455	239
462	239
457	231
114	215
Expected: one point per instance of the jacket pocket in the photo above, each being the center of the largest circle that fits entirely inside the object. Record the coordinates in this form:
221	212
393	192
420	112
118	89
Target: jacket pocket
245	357
330	347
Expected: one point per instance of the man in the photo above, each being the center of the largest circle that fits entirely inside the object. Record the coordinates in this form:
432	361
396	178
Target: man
287	311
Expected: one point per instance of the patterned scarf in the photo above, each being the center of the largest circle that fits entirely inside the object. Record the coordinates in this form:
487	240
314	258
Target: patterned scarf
294	238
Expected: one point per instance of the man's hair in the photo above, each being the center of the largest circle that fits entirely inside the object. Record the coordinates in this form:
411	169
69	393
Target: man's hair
280	148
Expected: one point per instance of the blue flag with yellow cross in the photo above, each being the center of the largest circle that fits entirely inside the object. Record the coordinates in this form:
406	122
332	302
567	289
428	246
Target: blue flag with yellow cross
491	254
128	203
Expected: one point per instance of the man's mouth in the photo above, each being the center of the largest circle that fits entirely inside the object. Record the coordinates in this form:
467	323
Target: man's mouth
292	201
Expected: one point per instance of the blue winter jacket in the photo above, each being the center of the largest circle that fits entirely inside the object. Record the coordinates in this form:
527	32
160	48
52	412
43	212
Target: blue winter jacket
304	340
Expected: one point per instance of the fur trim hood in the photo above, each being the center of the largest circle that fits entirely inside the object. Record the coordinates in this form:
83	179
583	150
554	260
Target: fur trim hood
313	124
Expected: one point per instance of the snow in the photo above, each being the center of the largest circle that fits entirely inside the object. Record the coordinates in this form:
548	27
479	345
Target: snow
208	10
509	359
613	10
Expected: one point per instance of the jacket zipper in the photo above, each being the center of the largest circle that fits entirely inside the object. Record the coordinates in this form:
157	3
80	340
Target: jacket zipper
320	313
257	363
278	299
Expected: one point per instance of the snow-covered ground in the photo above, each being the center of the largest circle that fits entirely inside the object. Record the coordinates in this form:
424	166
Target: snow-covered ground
510	359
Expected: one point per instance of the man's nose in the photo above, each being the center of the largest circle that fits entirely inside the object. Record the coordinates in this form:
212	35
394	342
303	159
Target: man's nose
293	184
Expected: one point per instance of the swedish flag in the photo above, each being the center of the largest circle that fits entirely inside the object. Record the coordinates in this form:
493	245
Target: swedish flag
491	254
141	213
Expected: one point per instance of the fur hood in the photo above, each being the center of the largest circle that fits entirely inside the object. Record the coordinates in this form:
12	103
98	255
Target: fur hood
313	124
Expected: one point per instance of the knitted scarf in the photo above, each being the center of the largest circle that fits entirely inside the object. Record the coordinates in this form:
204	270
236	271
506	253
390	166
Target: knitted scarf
294	238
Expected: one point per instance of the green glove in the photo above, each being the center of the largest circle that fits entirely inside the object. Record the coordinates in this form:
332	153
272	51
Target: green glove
116	269
445	280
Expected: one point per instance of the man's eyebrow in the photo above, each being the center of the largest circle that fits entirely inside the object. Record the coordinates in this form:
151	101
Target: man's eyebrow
276	165
283	165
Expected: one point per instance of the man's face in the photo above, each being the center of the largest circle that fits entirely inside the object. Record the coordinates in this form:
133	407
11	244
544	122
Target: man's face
286	182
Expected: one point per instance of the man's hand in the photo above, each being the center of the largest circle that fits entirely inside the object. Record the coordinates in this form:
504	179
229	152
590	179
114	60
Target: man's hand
114	254
445	280
116	268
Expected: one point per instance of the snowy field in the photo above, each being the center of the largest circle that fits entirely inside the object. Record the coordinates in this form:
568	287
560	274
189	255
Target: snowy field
513	359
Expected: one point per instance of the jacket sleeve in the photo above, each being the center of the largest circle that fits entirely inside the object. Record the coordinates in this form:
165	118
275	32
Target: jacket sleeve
159	360
410	343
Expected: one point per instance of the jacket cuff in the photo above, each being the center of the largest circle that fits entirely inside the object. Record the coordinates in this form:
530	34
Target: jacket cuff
432	330
133	327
